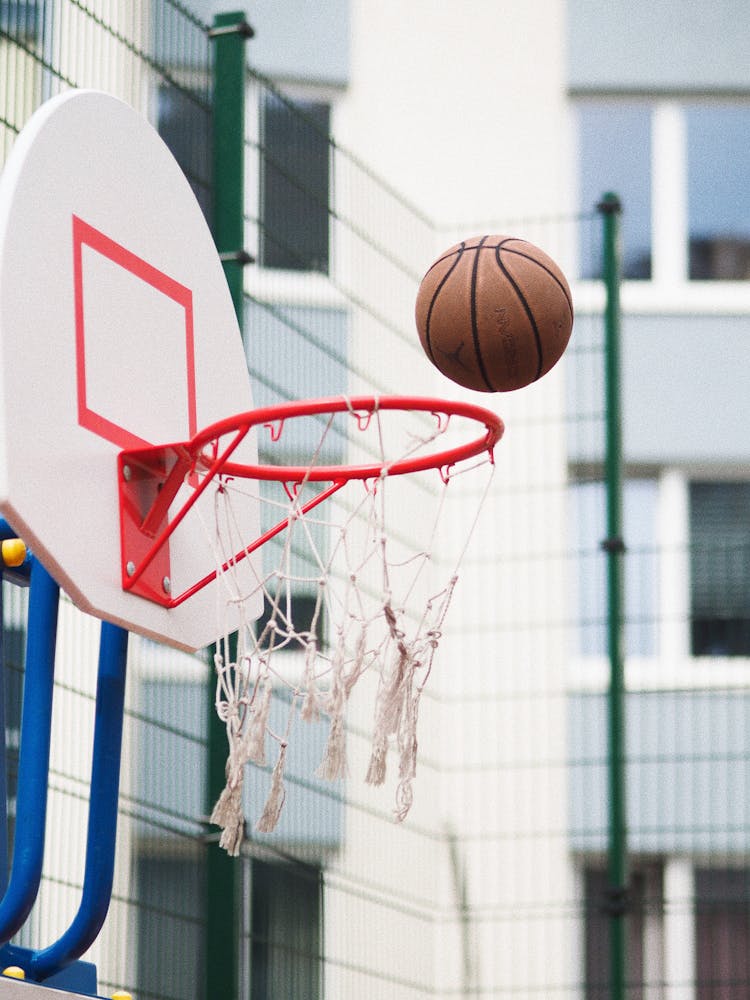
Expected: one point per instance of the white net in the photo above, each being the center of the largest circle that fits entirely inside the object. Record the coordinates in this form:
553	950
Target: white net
356	585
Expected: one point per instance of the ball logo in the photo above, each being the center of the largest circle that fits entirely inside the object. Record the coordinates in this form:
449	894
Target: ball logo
455	355
507	340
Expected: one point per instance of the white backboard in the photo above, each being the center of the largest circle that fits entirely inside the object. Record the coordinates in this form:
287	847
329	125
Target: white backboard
17	989
117	330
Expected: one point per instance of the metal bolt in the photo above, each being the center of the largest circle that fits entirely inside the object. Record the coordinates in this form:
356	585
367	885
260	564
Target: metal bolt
166	585
130	568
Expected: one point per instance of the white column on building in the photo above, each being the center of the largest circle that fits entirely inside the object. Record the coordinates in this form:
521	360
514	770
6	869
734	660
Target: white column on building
679	929
653	937
669	215
674	575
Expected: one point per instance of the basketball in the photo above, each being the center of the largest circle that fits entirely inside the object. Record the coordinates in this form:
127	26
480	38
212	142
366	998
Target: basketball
494	313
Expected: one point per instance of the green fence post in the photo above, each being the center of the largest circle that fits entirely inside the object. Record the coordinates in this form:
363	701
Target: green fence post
614	547
229	33
223	873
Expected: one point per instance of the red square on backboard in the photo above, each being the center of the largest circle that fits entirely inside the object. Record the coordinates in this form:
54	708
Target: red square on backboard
93	416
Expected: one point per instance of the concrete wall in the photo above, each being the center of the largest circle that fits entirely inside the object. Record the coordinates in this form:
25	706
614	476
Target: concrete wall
655	45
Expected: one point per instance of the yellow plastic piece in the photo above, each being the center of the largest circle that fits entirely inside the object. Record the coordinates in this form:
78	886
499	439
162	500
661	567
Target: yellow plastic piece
122	995
13	971
14	553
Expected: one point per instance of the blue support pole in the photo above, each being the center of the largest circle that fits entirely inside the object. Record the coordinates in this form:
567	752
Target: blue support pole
19	576
33	761
3	758
102	822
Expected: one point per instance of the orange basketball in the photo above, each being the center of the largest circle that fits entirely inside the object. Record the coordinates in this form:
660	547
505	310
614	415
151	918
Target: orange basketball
494	313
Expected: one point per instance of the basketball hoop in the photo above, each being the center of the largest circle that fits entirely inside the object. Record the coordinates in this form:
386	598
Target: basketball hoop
360	562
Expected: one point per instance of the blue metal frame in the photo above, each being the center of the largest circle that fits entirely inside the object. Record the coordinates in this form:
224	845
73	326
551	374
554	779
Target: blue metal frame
57	964
3	759
102	825
33	759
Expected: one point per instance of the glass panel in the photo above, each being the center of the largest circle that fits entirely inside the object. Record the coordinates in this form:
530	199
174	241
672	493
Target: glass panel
185	125
614	149
722	933
294	185
171	932
286	937
587	509
720	568
718	140
20	20
597	936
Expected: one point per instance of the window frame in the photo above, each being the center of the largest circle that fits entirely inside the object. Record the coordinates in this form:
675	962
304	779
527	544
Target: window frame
670	222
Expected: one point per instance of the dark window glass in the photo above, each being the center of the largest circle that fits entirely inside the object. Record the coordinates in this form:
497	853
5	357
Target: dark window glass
597	934
185	126
285	932
720	568
21	20
294	185
722	932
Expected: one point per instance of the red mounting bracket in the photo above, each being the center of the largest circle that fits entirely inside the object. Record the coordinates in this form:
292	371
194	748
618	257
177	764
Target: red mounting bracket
148	481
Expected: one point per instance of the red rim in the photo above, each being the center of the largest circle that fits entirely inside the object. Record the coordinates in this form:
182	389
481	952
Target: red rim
145	533
361	408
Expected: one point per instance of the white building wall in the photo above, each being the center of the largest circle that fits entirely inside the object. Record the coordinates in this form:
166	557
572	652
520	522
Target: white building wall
466	116
463	108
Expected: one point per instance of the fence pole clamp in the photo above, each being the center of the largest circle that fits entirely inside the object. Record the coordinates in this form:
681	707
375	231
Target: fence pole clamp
617	900
240	28
237	257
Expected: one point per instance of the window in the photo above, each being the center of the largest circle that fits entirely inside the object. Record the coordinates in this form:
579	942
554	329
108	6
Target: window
285	929
294	184
171	915
614	155
588	514
185	126
718	198
722	930
720	568
298	608
645	900
20	20
682	171
714	952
